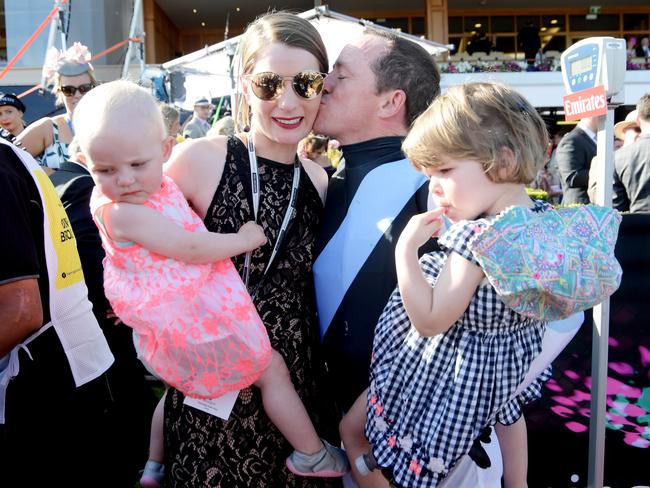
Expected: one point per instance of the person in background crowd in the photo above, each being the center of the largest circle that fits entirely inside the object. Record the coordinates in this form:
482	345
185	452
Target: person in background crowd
573	158
12	110
198	125
529	41
225	126
479	44
632	166
172	120
283	59
642	49
316	148
626	132
72	77
379	85
134	400
55	398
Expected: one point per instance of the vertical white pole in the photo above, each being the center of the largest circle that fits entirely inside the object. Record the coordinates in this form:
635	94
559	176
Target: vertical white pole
54	23
137	7
61	15
600	341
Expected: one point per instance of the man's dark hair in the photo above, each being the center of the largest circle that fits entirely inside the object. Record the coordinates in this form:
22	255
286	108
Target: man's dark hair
643	107
409	67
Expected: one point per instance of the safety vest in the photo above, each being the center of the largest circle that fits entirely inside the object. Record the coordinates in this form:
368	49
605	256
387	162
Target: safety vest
71	312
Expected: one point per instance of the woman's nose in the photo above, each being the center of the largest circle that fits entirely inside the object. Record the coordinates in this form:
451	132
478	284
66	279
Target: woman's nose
288	97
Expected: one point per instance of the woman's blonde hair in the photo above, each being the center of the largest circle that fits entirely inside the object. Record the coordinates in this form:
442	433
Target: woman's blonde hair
283	27
485	122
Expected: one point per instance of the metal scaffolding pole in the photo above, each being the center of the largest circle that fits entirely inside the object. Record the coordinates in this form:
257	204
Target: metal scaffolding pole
137	8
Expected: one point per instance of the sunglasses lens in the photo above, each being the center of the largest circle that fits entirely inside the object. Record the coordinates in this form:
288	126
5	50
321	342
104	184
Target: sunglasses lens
266	86
70	90
308	84
85	88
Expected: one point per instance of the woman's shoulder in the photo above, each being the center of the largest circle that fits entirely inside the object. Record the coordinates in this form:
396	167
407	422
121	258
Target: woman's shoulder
196	167
37	136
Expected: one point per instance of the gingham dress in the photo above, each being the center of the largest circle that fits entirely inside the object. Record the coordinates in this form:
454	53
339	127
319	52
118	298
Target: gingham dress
429	398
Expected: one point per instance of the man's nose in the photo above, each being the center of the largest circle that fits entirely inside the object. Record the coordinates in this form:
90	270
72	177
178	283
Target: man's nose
328	84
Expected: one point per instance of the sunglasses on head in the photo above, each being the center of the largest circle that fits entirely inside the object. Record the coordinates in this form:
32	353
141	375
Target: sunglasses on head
70	90
269	85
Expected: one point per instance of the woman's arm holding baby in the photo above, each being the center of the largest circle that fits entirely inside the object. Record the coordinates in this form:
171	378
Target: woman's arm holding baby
150	229
431	309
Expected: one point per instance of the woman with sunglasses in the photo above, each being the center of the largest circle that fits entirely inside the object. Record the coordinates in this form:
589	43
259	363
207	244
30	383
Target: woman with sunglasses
258	176
72	77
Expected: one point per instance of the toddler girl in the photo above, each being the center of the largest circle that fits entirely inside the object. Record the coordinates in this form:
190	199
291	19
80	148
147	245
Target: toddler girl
194	323
451	346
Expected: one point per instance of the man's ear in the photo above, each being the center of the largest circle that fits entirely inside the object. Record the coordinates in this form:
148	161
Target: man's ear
81	158
392	102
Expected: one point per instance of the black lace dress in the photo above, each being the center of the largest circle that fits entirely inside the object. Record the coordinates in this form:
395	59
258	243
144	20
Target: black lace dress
247	450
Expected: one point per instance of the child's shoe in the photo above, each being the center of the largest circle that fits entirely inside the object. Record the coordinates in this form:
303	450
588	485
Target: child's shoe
329	462
153	475
366	463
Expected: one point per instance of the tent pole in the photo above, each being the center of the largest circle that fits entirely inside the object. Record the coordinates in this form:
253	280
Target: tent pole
137	7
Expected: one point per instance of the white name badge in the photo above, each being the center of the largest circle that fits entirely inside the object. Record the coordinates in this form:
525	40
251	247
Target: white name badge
219	407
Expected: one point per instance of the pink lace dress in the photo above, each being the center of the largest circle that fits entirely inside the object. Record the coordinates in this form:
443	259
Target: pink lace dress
196	326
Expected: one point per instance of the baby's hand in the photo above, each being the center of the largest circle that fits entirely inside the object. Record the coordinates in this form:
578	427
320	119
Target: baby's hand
421	228
252	234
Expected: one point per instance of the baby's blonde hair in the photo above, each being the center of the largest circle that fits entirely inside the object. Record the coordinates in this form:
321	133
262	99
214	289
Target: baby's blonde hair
485	122
116	102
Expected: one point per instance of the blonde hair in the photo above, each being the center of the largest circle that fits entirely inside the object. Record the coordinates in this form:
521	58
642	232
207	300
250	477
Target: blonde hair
225	126
114	103
282	27
170	114
485	122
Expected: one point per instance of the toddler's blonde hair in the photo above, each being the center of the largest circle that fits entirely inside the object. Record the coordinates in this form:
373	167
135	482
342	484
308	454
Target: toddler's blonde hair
485	122
114	103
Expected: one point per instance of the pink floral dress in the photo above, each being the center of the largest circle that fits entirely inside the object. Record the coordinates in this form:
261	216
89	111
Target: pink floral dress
196	326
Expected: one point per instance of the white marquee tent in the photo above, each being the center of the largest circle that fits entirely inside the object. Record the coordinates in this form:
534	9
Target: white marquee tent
207	71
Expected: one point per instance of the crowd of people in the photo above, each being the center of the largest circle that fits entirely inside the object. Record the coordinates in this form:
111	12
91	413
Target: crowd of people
309	321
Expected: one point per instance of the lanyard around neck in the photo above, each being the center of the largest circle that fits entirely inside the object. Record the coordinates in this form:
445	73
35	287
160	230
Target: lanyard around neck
291	207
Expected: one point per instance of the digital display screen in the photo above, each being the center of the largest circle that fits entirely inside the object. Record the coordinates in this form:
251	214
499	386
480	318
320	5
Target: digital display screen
581	65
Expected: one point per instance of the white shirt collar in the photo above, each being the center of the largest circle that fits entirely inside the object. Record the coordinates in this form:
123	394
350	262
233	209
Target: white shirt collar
583	125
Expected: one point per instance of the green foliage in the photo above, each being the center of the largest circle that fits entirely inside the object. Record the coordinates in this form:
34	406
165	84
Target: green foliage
537	194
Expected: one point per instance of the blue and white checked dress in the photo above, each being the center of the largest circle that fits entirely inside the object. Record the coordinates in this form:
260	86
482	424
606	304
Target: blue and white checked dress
429	398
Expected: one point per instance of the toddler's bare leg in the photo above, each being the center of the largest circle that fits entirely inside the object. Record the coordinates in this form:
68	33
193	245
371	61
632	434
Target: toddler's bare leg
514	451
356	444
285	409
156	442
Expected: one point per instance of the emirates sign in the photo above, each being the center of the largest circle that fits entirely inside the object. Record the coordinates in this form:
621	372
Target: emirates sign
585	103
